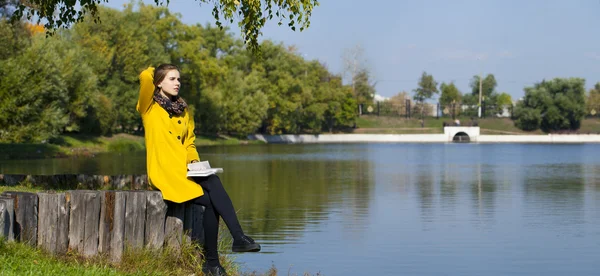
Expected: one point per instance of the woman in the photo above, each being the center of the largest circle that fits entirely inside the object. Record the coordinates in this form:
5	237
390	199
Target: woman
169	135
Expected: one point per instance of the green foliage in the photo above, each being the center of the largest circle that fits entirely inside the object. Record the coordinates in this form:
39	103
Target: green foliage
427	87
364	91
252	14
124	145
450	94
592	101
85	79
488	86
554	105
33	94
504	99
528	119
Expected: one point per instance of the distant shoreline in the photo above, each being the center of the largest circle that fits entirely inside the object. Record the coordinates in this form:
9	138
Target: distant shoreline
422	138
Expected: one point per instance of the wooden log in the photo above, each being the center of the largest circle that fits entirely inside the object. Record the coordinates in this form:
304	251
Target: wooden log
140	182
53	222
121	182
174	225
7	218
84	222
112	224
58	181
135	218
13	179
26	216
192	223
92	182
156	212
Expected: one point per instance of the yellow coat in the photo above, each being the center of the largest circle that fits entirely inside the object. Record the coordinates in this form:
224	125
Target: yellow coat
169	145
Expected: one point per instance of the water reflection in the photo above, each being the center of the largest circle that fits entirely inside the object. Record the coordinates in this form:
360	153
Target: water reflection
409	209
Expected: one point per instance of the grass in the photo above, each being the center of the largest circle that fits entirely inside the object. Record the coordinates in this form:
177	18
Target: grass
400	125
86	145
18	258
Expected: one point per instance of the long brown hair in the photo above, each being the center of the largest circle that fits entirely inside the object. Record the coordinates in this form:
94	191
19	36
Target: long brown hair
161	72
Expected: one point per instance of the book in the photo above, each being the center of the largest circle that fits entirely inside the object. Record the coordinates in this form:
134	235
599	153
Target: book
202	169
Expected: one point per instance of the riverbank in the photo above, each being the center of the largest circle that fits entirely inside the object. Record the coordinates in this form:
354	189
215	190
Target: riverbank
423	138
84	145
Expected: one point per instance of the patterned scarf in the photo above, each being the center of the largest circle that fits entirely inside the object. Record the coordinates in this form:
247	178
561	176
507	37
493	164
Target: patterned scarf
172	107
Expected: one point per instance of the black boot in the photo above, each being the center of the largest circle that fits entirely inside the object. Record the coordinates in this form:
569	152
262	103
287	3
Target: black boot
245	244
214	270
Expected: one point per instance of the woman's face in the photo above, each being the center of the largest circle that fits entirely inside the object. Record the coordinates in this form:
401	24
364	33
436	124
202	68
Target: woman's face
170	84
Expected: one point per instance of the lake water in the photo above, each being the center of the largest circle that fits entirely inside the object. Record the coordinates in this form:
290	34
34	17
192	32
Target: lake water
401	209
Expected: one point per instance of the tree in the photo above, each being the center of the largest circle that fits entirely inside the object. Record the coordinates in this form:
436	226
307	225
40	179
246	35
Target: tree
427	87
450	94
252	14
554	105
33	95
488	86
364	89
449	98
592	102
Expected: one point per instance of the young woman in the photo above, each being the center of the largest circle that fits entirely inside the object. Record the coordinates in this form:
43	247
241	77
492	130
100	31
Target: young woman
169	135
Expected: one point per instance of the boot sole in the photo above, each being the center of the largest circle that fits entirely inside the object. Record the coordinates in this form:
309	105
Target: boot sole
246	248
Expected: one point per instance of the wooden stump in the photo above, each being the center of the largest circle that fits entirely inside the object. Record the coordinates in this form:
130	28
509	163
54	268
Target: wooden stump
135	217
53	222
13	179
84	222
112	224
140	182
192	223
26	216
121	182
7	218
174	225
91	182
58	181
156	211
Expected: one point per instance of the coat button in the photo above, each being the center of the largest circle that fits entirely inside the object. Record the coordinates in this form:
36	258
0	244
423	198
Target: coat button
178	137
179	121
170	132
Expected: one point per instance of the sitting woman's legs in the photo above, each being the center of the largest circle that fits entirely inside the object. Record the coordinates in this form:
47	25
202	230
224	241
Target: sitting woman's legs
222	204
223	207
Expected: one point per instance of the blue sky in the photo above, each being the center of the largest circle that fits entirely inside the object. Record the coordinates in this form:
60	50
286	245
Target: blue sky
520	42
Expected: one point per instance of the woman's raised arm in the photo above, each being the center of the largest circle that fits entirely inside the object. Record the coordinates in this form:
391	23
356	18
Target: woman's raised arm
146	90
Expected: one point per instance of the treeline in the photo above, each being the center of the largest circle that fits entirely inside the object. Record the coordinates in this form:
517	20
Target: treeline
556	105
85	79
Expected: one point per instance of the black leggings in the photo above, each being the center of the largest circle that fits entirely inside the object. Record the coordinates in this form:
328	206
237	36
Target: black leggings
217	204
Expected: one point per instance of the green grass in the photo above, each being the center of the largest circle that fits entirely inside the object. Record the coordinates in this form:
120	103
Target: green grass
85	145
18	259
400	125
213	140
124	145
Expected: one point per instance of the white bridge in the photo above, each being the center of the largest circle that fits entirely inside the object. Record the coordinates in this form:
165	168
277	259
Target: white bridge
461	134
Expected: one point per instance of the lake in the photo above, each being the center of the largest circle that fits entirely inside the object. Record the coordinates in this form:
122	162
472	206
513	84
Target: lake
400	209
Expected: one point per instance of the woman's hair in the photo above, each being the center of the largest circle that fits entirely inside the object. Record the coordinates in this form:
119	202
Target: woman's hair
161	72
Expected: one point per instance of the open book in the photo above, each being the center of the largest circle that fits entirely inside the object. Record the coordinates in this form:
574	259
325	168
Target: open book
202	169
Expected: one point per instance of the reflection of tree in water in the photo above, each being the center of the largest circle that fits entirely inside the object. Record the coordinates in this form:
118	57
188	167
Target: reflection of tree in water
483	196
449	186
426	194
280	198
554	195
